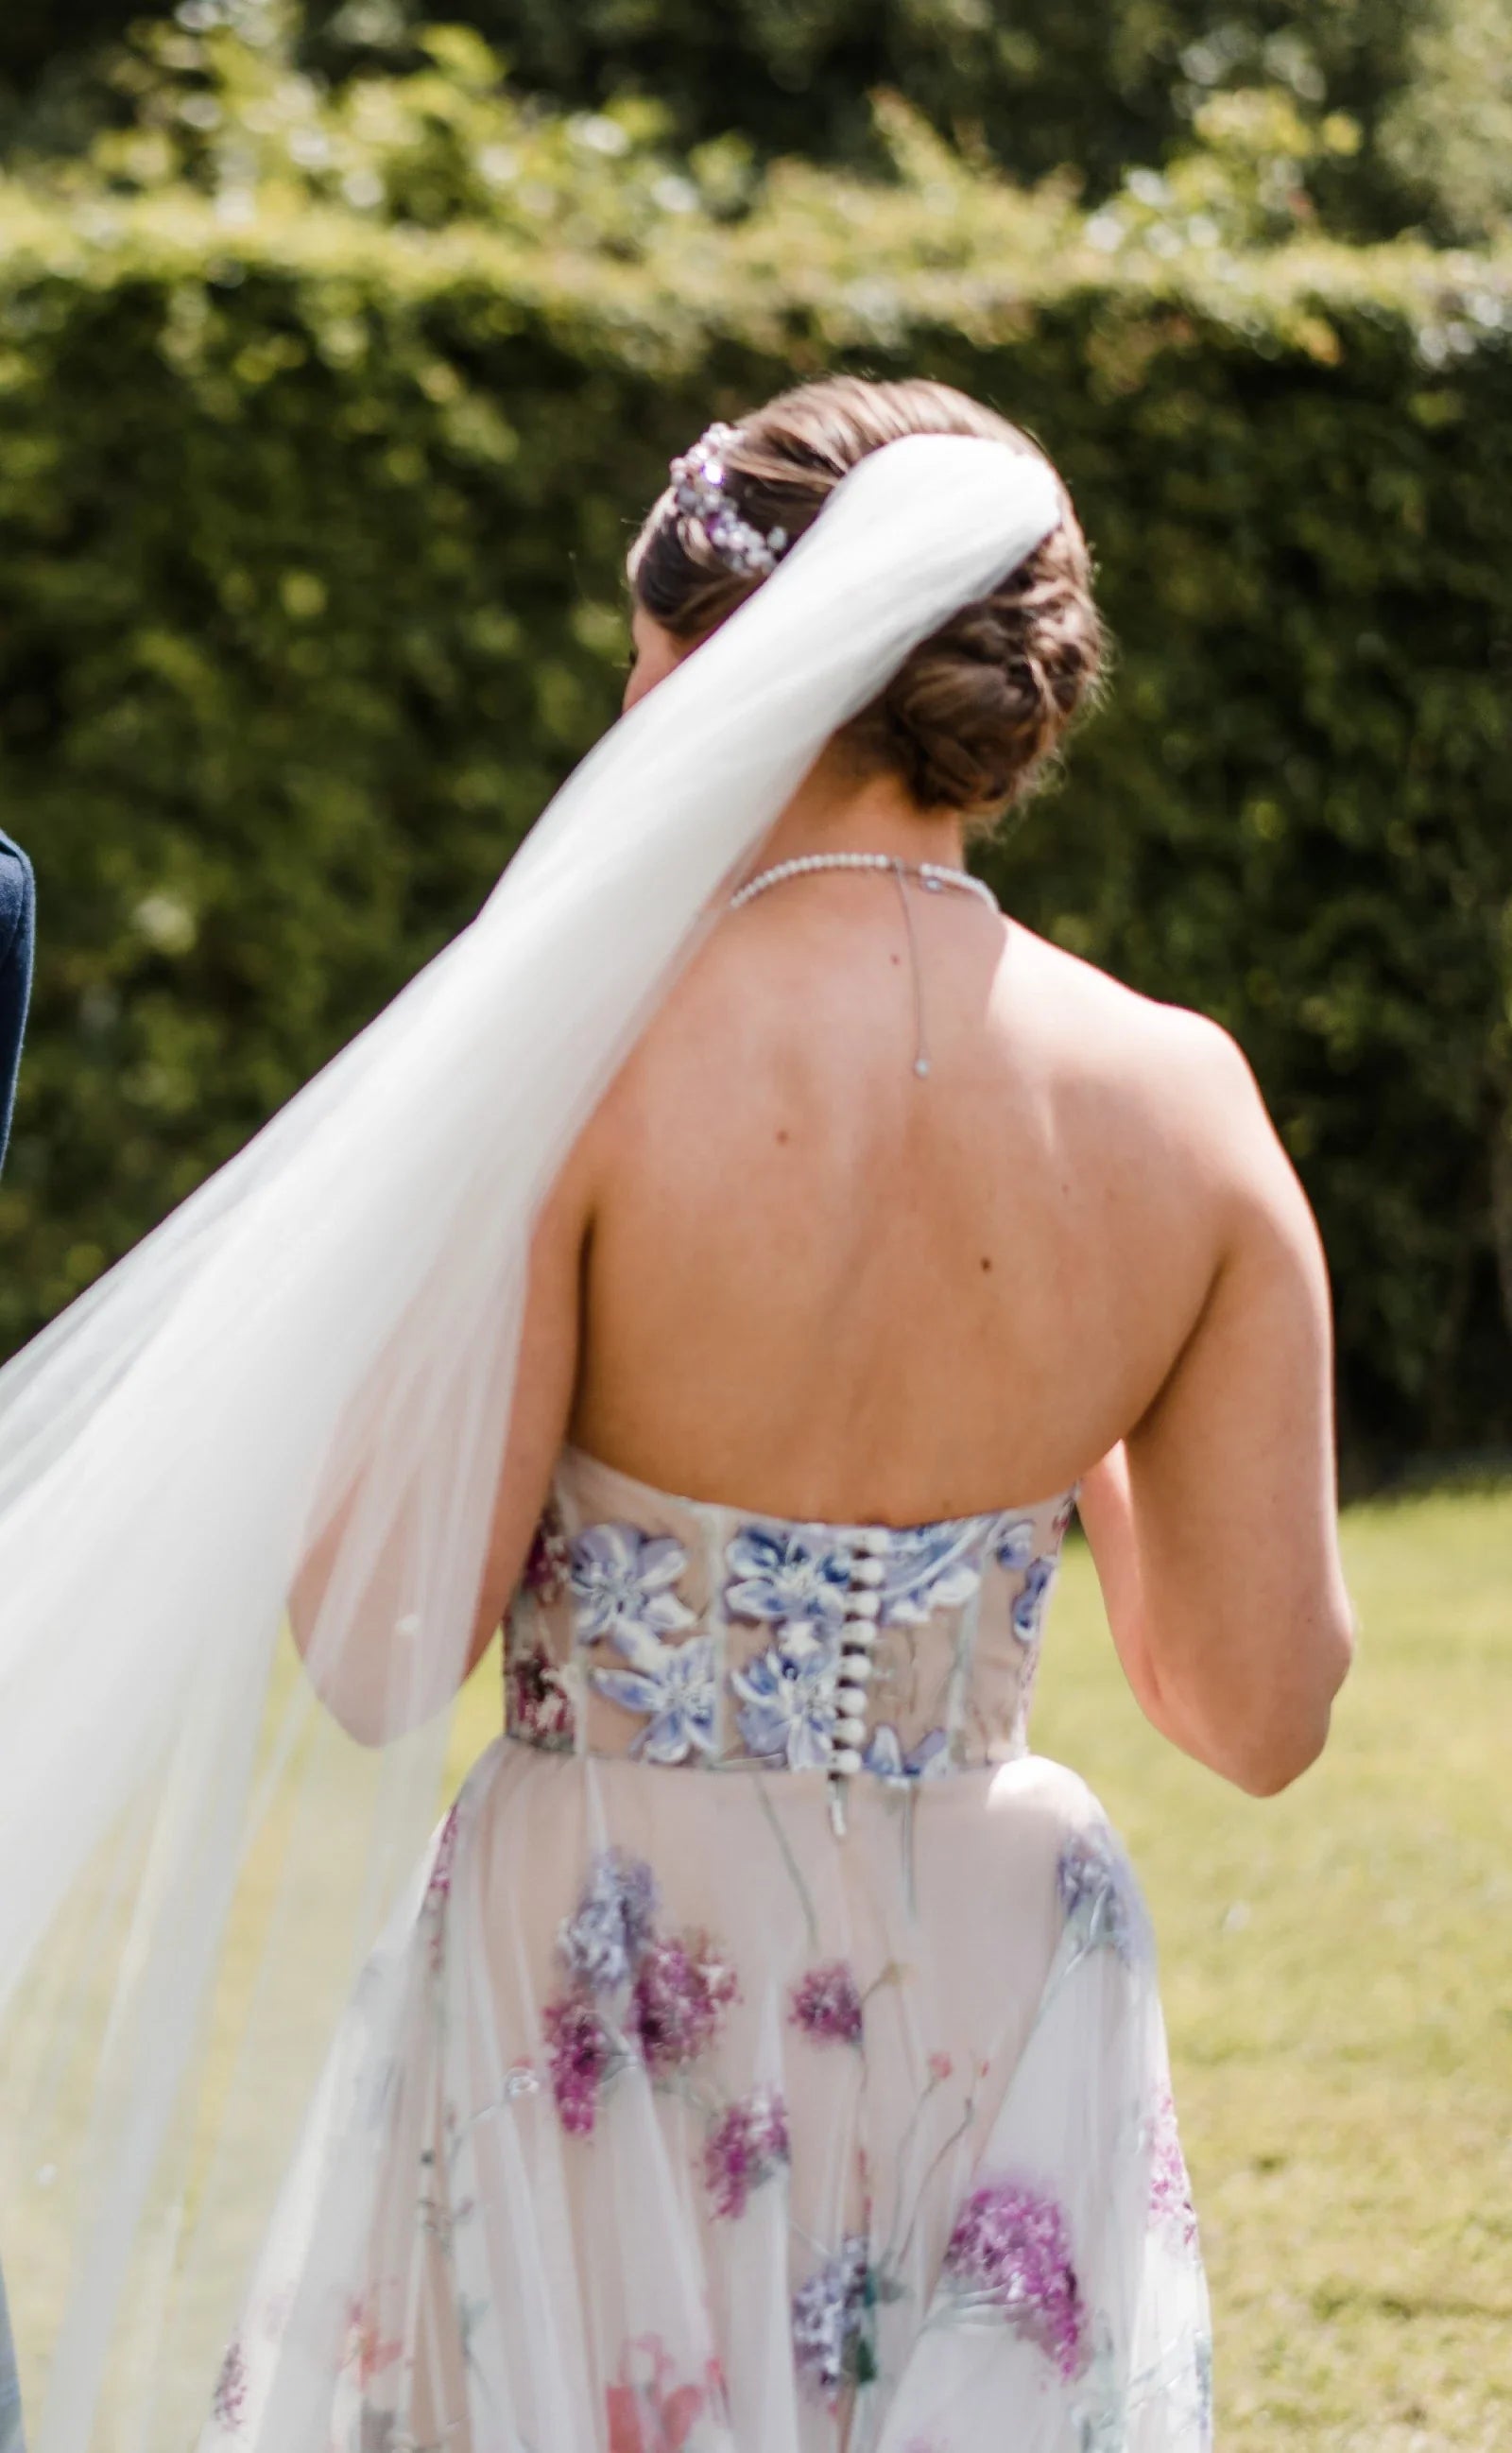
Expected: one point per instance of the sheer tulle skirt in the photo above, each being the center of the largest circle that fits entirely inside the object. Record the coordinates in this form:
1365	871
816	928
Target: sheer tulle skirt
670	2118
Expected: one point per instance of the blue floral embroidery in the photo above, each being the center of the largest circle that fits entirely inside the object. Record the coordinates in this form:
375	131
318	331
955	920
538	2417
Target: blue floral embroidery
785	1579
787	1698
886	1757
622	1583
831	2321
1099	1896
612	1923
1028	1611
677	1686
928	1568
1013	1542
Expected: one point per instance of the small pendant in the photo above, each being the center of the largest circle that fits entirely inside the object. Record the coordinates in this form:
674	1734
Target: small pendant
920	1066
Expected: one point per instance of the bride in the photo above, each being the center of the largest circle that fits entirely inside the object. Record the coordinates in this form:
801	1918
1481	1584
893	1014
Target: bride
728	1266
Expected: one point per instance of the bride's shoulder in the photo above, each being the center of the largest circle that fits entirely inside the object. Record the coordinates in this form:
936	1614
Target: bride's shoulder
1166	1058
1058	981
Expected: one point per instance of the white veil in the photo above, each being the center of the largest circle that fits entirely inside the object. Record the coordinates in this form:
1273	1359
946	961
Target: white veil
194	1855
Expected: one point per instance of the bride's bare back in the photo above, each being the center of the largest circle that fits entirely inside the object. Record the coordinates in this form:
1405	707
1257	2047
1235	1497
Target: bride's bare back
784	1271
820	1285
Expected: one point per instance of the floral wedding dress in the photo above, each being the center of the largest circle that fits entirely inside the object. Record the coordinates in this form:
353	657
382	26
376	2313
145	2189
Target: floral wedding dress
769	2058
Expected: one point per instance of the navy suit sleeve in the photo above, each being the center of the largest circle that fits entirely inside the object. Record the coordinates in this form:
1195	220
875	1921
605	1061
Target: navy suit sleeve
17	939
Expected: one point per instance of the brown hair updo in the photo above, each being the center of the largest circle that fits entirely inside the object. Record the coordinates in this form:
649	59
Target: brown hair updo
973	713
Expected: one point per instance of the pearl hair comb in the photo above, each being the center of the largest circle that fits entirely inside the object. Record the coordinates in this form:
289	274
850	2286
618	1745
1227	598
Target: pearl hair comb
698	490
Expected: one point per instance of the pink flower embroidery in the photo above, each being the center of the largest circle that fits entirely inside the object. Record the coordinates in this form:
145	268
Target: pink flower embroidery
367	2354
746	2146
537	1705
229	2406
545	1569
1170	2204
438	1889
1008	2255
682	1992
645	2412
579	2053
826	2004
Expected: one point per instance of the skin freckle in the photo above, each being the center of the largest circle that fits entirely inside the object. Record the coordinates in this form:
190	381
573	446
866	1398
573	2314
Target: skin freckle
986	1262
782	1133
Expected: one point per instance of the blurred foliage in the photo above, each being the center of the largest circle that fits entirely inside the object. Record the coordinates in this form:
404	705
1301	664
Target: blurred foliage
1448	130
1421	87
323	421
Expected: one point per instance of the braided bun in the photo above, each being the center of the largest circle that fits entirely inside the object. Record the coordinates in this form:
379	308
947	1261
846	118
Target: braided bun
973	714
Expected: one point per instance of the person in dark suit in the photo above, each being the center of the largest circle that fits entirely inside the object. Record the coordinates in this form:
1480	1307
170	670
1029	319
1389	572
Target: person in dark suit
17	936
17	939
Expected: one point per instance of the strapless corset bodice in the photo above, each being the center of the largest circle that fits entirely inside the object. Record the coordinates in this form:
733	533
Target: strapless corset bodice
689	1633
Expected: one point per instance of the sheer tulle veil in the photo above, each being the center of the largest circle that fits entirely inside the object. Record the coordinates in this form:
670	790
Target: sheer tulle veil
195	1856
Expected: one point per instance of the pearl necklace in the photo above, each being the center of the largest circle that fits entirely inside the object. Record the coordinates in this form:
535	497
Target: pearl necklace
932	874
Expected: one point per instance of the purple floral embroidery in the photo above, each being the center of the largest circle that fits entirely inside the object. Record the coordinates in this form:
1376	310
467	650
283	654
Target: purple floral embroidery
229	2406
678	1989
601	1942
1028	1611
1170	2207
539	1707
747	2145
579	2053
549	1561
826	2006
1008	2256
830	2315
1103	1908
679	1999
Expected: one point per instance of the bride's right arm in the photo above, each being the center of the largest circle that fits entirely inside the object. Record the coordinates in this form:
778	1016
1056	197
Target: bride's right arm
349	1643
1213	1524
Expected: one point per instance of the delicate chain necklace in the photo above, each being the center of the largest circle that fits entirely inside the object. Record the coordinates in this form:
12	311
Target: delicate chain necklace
932	874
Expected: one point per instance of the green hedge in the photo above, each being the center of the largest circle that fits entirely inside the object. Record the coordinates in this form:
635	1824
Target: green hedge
1038	84
310	525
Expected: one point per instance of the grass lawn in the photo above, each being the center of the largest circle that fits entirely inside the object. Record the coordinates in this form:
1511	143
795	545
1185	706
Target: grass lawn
1336	1968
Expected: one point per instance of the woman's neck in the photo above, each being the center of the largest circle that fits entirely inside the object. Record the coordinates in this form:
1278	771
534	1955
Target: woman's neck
836	809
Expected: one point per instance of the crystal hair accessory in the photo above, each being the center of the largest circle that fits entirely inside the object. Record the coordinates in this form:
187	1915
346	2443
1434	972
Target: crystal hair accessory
698	490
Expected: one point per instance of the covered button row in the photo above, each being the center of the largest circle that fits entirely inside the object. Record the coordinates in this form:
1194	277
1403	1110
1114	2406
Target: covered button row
862	1608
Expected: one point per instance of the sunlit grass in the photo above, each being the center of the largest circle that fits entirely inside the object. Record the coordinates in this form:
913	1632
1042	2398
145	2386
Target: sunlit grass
1336	1968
